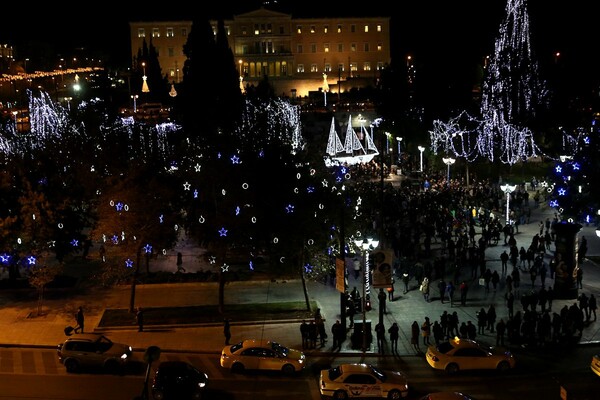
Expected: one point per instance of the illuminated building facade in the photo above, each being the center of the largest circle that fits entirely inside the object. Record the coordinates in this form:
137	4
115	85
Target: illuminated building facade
293	53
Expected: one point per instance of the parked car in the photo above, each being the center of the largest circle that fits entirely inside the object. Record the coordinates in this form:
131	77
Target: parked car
178	380
362	381
595	365
447	396
93	350
458	354
252	354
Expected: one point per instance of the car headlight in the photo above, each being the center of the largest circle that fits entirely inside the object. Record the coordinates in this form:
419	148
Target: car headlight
124	356
300	361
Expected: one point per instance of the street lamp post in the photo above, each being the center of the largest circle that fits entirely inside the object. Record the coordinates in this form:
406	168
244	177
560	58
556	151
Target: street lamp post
448	161
134	97
508	189
365	245
421	150
15	113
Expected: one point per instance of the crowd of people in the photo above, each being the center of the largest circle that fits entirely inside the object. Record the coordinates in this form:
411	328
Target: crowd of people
463	223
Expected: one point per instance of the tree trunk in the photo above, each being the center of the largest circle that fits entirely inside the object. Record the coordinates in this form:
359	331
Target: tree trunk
40	301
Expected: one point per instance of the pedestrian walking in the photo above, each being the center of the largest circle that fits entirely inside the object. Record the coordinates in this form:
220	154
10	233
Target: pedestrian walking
380	333
356	267
390	291
438	332
139	317
414	336
405	279
79	319
351	312
313	334
227	331
394	332
304	334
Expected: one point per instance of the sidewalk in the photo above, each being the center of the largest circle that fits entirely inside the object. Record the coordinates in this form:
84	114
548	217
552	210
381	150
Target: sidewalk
17	328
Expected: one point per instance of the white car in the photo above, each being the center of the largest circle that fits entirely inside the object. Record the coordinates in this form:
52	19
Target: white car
362	381
265	355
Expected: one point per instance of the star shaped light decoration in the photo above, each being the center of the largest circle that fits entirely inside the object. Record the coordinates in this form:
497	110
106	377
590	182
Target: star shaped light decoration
187	186
562	191
31	260
237	210
4	258
222	232
289	209
75	243
235	159
558	169
224	268
148	248
161	218
119	206
128	263
553	203
212	260
197	167
308	268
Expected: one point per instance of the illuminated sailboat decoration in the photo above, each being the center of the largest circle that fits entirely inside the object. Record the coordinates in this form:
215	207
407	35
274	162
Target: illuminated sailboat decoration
352	150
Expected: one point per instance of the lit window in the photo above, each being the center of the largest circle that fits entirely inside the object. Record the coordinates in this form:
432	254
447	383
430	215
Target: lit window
141	32
353	67
300	68
379	28
379	65
170	32
352	46
339	29
326	29
172	72
313	29
367	66
269	28
366	28
256	29
327	67
340	67
379	47
184	32
155	32
314	68
326	47
299	29
244	30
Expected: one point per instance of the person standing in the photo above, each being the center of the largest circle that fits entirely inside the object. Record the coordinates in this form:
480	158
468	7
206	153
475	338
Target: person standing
394	332
592	306
226	330
337	333
500	329
180	262
414	336
139	316
464	288
382	298
426	329
425	289
79	319
304	334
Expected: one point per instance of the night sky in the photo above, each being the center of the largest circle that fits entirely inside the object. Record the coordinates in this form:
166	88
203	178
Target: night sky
450	37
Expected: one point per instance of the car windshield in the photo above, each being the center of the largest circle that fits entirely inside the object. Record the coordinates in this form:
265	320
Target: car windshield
104	343
445	347
378	373
334	373
279	349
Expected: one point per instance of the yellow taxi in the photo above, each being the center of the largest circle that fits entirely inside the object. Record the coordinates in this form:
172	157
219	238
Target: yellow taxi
595	364
458	354
362	381
267	355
